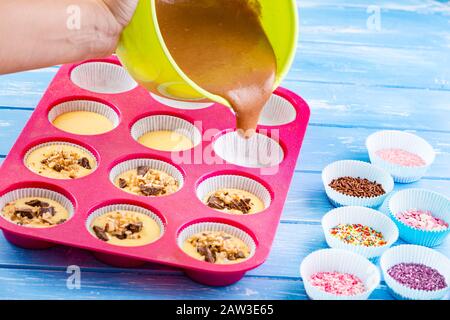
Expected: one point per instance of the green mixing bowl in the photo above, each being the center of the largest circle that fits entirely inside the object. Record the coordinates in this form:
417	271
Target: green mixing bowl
144	54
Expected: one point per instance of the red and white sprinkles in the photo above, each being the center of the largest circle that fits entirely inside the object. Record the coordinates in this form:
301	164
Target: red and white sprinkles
342	284
421	219
401	157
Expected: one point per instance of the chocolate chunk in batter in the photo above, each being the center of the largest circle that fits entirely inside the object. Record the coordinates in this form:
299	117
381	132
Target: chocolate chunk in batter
58	168
206	252
151	191
37	203
25	212
142	170
122	183
242	205
121	236
216	203
84	162
100	233
50	210
135	227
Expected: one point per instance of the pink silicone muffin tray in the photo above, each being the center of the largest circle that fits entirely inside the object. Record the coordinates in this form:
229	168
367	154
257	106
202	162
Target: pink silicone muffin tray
177	211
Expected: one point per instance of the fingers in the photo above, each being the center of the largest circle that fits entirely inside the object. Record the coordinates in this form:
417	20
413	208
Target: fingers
123	10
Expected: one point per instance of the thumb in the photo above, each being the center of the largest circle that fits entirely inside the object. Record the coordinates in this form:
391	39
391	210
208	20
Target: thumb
122	10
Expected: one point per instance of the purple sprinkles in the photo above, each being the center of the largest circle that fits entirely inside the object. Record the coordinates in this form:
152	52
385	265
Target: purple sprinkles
418	276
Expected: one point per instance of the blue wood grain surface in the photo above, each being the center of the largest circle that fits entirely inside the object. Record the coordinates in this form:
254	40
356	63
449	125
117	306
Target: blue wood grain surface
356	80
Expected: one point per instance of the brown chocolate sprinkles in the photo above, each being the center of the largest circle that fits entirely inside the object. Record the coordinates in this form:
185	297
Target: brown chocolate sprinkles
357	187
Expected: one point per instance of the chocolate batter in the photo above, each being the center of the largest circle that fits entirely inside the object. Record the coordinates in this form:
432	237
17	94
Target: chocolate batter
221	46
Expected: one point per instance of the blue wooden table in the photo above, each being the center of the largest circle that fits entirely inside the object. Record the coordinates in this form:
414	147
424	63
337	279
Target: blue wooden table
359	74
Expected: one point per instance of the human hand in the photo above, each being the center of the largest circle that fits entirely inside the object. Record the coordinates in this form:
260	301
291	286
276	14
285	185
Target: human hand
122	10
37	33
113	17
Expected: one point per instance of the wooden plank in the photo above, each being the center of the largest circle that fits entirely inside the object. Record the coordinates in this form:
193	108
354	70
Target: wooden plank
307	200
25	89
403	5
401	26
371	66
345	52
11	125
324	145
294	241
314	62
388	108
39	284
347	105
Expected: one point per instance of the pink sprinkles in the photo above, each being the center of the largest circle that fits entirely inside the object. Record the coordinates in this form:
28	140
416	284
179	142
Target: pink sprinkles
401	157
342	284
417	276
421	219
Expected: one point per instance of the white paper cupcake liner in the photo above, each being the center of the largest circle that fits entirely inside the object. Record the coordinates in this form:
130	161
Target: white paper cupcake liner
38	193
360	215
193	229
384	208
234	182
338	260
152	163
84	105
166	123
178	104
415	254
277	111
355	169
102	77
124	207
420	199
259	151
391	139
59	143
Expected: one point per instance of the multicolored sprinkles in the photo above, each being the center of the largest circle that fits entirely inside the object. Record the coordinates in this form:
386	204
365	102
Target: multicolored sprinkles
358	234
342	284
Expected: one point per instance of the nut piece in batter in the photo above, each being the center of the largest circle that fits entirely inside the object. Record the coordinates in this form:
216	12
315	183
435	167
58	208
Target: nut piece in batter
148	182
35	212
126	228
234	201
216	247
61	162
